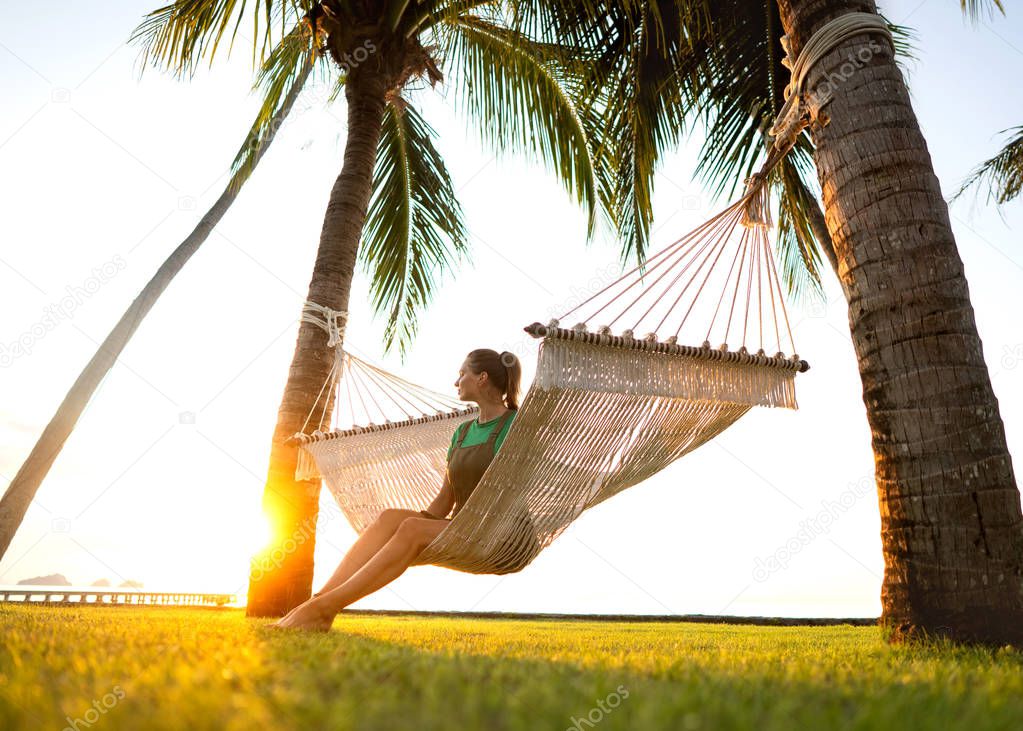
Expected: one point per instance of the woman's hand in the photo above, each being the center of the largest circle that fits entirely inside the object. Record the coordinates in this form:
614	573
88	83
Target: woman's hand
444	501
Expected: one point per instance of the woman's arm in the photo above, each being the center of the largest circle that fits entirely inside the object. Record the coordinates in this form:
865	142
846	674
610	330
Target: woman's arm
445	500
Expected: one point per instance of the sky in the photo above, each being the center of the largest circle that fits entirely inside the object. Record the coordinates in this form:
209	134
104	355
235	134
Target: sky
104	173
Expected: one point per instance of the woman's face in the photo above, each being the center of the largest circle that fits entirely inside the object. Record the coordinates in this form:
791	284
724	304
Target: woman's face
468	383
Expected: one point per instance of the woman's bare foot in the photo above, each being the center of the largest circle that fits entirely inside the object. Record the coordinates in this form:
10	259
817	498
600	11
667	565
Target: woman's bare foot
311	615
276	624
296	608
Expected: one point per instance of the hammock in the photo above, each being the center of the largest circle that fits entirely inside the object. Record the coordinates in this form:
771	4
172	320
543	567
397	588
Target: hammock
604	412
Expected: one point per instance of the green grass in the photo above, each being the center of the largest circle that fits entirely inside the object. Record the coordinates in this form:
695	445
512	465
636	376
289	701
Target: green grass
197	669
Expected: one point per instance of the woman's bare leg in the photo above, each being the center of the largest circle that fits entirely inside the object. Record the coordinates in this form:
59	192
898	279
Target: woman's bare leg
372	540
385	566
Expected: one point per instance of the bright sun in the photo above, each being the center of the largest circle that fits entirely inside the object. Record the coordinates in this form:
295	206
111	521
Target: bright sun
257	533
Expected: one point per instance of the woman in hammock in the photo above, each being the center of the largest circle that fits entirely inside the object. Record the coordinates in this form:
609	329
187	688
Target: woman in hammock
388	546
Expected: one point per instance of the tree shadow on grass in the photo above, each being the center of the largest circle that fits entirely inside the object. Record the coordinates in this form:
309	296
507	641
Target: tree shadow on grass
501	674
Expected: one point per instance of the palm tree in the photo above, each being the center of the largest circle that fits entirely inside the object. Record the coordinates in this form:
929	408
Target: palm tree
282	76
393	189
412	221
951	525
952	531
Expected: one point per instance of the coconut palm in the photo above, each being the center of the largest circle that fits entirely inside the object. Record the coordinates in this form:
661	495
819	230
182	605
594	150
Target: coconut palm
393	191
282	76
951	526
952	530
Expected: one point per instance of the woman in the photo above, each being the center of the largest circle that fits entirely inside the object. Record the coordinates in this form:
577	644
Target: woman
388	546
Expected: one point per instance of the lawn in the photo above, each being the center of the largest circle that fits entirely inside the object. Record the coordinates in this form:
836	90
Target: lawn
140	668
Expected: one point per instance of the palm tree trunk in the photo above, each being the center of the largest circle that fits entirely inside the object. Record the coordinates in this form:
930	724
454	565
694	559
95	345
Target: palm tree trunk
820	231
281	578
23	487
951	525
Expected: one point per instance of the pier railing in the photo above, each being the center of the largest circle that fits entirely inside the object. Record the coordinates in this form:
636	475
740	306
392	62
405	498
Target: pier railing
102	596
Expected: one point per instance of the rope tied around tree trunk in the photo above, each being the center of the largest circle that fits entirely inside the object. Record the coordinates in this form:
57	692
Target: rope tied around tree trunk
333	323
330	321
793	116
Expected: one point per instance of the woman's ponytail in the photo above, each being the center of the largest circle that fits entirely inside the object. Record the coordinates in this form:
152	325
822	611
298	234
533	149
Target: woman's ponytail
514	369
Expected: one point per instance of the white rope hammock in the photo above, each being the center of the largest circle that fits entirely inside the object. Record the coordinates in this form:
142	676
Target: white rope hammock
605	411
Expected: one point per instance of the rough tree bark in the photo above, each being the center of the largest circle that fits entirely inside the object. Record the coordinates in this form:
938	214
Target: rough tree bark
951	525
292	506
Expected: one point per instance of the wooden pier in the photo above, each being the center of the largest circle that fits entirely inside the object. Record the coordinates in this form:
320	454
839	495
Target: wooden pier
112	597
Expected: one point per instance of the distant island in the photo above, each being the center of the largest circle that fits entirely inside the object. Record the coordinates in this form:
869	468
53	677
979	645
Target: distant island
51	580
61	580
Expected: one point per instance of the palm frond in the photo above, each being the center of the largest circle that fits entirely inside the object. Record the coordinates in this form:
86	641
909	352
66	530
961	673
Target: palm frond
518	96
977	10
646	114
904	38
414	228
427	14
282	78
740	81
797	247
665	65
178	36
643	90
1002	174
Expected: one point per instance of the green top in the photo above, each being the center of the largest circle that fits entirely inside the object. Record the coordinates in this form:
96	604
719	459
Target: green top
479	433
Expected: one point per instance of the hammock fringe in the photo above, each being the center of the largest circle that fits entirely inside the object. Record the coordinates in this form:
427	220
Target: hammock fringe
591	367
